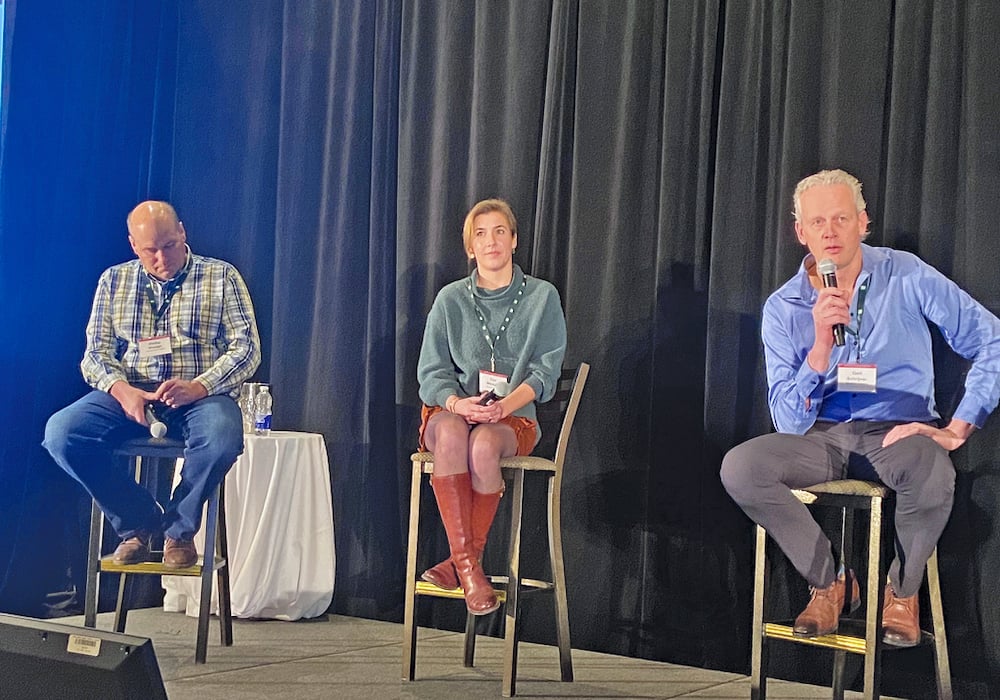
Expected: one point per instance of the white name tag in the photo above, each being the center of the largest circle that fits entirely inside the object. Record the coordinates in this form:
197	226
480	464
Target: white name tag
857	378
489	381
152	347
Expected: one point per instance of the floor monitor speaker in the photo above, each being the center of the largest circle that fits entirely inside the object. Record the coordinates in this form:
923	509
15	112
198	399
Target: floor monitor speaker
42	659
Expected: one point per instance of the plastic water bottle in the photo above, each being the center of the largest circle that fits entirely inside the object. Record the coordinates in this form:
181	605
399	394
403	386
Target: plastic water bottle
262	412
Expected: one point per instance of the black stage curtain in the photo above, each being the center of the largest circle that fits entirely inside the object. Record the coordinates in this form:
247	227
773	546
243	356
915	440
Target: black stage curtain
331	149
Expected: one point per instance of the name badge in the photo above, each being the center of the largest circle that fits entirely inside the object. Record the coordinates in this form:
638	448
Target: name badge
489	381
153	347
857	378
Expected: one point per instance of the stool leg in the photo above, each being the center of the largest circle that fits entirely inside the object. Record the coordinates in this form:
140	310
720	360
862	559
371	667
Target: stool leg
222	575
207	573
758	644
410	595
121	608
93	566
124	580
875	591
559	580
941	665
470	641
846	559
513	587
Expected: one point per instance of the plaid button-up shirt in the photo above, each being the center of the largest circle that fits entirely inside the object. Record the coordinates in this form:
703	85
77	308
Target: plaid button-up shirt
210	322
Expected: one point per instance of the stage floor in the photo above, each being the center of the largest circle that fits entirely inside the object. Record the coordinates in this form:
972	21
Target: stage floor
346	658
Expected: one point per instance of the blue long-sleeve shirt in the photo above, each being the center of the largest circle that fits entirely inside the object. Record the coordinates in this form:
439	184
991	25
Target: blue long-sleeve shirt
904	293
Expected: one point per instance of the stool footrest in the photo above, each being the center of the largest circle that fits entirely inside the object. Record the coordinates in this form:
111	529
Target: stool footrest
850	637
841	642
155	566
429	589
532	586
530	583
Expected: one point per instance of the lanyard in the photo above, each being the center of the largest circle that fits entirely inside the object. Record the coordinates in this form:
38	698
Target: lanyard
862	293
492	341
169	289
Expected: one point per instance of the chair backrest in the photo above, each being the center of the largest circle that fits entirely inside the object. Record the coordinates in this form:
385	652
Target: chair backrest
560	411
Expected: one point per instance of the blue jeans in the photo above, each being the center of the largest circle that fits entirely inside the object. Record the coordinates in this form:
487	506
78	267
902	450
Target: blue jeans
82	437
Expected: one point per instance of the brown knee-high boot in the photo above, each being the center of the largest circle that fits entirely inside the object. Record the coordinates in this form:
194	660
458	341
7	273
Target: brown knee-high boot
454	499
484	509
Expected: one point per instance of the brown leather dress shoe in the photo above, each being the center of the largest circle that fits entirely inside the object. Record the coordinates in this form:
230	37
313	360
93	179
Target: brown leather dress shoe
822	614
900	619
179	554
133	550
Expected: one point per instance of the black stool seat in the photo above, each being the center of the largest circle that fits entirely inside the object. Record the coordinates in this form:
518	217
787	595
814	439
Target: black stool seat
148	446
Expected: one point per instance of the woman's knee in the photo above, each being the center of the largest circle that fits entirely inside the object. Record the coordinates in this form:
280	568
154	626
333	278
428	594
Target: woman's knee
447	434
485	450
488	443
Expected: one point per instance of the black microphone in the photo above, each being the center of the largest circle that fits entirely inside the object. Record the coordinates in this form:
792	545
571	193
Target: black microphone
157	428
827	270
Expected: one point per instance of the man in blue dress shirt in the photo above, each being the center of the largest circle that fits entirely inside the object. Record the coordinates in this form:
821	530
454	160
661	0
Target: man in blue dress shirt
864	408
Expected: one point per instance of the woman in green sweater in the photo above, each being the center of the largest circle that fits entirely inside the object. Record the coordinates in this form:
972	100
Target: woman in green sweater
493	346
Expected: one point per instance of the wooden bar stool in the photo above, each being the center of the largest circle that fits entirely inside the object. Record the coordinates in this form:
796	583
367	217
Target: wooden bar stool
512	586
138	451
862	637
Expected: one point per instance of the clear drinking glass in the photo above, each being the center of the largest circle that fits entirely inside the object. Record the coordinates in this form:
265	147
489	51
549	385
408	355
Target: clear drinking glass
248	393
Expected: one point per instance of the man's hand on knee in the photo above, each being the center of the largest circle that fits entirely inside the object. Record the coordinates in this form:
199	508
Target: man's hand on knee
950	437
180	392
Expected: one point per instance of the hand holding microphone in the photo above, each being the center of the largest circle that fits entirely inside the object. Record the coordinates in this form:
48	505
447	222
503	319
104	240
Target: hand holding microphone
157	428
827	270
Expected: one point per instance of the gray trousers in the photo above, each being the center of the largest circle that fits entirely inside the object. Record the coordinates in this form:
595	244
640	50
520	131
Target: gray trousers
760	473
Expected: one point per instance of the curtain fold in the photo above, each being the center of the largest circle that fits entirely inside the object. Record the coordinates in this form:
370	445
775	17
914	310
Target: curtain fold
88	99
649	149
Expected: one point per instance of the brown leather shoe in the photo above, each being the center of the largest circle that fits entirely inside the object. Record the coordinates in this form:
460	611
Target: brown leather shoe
134	550
900	619
822	614
179	554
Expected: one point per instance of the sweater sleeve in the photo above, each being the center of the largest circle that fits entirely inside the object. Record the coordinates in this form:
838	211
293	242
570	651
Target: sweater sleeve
545	364
435	367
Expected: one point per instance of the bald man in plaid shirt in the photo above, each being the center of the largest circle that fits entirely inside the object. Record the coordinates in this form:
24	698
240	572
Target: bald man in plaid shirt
176	331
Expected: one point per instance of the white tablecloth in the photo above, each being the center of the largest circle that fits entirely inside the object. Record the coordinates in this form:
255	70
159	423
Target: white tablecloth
280	525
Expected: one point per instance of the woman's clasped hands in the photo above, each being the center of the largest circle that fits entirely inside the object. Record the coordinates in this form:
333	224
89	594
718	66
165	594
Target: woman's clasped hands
473	412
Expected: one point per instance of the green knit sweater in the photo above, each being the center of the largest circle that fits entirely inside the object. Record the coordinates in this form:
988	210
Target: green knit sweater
530	348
